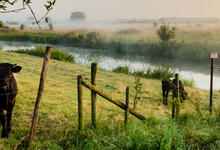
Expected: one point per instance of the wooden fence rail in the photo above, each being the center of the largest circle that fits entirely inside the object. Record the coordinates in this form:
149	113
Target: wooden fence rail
111	99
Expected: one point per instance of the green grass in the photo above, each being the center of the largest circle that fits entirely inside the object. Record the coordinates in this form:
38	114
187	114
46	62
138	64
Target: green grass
188	82
57	127
122	69
56	54
160	72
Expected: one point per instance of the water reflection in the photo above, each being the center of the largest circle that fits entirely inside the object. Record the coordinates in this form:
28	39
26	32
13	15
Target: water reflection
199	71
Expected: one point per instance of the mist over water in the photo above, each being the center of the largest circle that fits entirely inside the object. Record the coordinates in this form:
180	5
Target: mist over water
200	72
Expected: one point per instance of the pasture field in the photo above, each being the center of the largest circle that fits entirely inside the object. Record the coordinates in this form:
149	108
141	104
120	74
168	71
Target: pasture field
190	43
57	129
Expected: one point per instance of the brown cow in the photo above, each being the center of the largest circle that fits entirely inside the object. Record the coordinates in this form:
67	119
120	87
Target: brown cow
8	92
168	85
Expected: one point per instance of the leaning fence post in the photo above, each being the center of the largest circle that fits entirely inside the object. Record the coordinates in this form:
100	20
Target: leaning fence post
127	105
173	110
176	105
39	96
177	93
93	93
80	103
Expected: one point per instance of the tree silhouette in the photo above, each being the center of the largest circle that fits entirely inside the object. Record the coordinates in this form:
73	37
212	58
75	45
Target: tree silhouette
77	15
5	4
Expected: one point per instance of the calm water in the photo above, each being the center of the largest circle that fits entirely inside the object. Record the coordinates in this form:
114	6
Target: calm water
200	72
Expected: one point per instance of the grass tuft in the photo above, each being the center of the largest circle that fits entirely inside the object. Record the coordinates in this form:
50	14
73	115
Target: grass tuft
56	54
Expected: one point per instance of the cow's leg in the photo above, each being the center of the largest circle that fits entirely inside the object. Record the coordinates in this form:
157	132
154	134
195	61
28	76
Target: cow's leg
8	116
163	96
3	122
167	93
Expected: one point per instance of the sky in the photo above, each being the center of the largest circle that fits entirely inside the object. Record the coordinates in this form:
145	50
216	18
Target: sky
122	9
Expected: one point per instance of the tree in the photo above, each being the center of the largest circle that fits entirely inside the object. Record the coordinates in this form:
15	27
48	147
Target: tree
5	8
48	20
2	24
30	19
166	33
155	24
22	26
50	25
77	15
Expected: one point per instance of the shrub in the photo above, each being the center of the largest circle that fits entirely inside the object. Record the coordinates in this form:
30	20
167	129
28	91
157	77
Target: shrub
165	33
2	24
155	24
50	26
22	27
91	39
138	88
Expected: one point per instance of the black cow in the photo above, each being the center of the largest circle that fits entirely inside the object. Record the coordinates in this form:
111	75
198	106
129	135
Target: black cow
168	85
8	92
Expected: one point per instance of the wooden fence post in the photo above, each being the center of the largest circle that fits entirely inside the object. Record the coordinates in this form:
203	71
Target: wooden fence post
127	105
39	96
80	103
93	93
177	93
211	86
176	105
111	99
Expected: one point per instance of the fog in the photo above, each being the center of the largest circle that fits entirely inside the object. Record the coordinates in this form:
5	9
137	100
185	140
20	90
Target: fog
122	9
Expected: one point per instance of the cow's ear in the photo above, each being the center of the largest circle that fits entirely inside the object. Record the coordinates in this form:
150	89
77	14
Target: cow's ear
16	69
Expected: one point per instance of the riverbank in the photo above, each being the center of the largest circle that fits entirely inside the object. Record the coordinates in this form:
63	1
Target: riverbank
58	114
189	70
193	45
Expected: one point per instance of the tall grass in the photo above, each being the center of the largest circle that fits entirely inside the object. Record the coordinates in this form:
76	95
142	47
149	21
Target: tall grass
189	82
186	132
159	72
122	69
189	44
56	54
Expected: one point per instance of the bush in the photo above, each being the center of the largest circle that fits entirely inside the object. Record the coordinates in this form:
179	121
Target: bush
165	33
22	27
50	26
2	24
91	39
155	24
56	54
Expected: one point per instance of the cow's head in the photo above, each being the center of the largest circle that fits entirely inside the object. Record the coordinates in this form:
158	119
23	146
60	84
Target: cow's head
6	75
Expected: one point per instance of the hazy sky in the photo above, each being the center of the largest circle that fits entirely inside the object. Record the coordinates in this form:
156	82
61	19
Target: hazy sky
114	9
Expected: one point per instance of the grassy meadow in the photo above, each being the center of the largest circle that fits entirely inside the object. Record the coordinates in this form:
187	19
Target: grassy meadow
57	129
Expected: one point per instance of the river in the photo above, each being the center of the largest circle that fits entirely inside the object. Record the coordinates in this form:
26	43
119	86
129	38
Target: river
199	71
